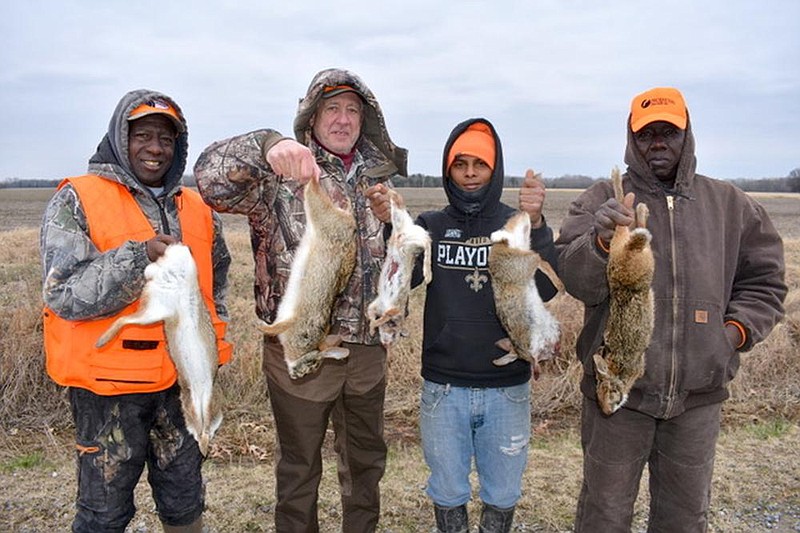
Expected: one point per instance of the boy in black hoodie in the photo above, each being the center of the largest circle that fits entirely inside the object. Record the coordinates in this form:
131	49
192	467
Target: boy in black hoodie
469	406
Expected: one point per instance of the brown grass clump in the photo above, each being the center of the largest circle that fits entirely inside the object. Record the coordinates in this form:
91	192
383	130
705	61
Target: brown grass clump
28	398
768	382
774	361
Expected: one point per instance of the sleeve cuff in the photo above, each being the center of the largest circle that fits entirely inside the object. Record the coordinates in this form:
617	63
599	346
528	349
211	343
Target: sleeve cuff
271	140
742	332
601	245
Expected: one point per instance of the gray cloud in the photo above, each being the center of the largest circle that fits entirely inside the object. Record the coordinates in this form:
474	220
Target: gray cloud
556	78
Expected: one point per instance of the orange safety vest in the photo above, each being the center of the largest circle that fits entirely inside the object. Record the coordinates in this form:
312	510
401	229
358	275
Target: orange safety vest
137	360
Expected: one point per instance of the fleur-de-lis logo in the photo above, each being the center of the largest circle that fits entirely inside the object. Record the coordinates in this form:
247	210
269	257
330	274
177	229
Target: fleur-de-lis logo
476	280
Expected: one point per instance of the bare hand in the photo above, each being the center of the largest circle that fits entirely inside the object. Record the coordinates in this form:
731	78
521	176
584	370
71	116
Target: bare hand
290	159
155	247
612	214
531	197
380	197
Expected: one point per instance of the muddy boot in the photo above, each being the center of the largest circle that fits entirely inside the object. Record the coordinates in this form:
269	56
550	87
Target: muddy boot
451	519
495	519
194	527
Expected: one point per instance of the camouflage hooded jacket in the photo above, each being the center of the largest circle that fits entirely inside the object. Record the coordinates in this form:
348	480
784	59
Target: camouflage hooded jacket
234	177
82	283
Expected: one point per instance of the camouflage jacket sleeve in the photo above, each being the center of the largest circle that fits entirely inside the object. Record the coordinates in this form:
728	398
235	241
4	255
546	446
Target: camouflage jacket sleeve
80	282
233	176
221	259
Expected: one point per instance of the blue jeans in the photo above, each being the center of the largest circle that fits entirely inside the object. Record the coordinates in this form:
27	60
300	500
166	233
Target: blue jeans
491	425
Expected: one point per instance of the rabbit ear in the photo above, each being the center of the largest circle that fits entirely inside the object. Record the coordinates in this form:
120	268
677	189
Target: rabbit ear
616	182
601	365
396	215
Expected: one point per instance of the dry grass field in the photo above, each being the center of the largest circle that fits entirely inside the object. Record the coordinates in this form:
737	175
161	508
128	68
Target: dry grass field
757	475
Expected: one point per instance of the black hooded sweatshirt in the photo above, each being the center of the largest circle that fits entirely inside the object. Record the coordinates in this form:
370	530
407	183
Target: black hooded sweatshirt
461	324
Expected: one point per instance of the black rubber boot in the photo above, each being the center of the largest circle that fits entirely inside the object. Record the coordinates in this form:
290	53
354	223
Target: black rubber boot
451	519
495	519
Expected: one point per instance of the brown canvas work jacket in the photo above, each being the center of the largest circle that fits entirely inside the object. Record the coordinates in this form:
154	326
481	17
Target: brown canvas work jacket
718	259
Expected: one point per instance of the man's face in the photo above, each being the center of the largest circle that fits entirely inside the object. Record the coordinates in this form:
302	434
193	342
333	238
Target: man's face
151	147
337	122
470	173
661	144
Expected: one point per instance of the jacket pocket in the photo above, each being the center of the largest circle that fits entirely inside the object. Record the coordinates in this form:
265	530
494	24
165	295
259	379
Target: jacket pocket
432	394
708	361
517	394
126	365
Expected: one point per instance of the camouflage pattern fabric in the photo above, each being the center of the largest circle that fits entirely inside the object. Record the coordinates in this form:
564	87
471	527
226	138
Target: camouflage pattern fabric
233	177
82	283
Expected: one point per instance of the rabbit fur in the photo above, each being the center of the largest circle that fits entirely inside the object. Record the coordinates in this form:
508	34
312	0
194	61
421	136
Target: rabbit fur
172	294
533	332
620	361
322	266
388	310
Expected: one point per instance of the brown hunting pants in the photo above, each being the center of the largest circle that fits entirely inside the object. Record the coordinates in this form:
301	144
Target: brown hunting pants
679	453
357	419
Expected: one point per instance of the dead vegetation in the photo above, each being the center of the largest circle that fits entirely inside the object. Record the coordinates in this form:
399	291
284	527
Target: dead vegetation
757	479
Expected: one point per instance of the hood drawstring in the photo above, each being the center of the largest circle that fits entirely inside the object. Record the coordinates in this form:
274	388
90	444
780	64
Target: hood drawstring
673	191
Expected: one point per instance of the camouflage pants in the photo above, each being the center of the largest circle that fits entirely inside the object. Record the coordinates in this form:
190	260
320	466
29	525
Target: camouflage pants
116	436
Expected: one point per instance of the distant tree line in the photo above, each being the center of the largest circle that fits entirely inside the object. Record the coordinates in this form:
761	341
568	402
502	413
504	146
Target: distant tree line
791	183
31	183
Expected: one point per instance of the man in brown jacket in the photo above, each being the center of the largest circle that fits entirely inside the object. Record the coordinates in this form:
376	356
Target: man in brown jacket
718	290
341	138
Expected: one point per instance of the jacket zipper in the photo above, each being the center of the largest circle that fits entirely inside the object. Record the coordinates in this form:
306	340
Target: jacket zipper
162	211
164	221
364	262
673	368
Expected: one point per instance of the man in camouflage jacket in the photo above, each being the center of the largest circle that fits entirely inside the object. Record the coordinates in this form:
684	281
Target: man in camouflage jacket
341	138
126	417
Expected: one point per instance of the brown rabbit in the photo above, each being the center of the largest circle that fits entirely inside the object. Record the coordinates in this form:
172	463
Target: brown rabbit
172	294
532	331
322	265
620	362
387	312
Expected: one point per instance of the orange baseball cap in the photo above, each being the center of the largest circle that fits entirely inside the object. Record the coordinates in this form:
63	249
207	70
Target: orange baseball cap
330	91
157	106
478	141
660	103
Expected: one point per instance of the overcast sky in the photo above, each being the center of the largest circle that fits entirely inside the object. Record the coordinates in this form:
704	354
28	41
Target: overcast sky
555	77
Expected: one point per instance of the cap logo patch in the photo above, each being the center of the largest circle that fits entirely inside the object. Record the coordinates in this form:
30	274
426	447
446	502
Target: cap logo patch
657	101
